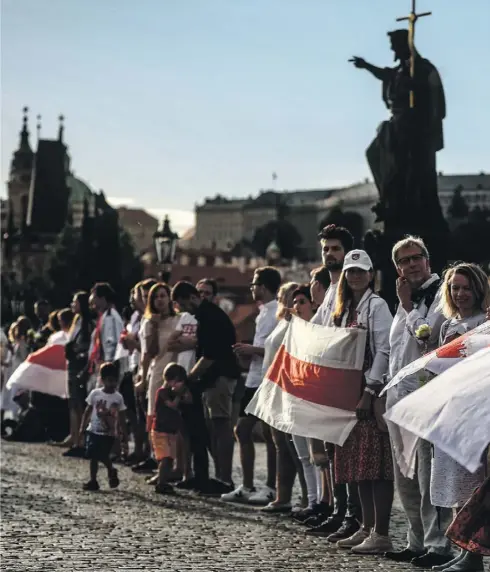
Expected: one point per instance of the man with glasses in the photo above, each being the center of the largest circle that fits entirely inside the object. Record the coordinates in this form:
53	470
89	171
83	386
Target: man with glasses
208	289
418	291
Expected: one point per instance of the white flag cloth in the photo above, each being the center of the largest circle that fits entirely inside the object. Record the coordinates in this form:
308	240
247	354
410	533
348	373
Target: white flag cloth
314	383
43	371
452	411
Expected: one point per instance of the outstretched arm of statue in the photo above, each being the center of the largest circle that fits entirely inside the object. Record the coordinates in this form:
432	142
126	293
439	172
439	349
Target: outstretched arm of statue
379	73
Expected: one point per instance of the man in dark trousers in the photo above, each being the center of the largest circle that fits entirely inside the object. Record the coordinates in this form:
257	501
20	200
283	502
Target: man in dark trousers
214	378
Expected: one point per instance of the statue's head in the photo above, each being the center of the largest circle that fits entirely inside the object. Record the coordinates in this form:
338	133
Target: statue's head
399	44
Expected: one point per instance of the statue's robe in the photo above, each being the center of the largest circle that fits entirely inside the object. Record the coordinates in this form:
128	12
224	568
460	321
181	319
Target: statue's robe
402	157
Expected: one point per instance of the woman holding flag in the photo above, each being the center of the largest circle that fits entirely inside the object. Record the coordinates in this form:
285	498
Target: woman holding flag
365	458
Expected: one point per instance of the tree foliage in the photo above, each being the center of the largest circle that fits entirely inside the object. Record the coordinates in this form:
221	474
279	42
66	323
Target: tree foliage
283	233
458	209
100	251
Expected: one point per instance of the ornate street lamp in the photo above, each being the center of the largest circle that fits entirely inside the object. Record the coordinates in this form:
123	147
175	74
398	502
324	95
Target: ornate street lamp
166	247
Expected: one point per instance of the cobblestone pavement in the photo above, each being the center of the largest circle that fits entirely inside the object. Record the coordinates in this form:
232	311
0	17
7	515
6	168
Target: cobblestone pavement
49	524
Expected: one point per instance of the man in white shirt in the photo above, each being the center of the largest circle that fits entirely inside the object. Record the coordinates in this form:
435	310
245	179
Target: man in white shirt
264	288
419	296
336	242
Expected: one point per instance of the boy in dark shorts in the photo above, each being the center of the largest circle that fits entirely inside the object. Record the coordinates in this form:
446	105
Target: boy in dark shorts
168	423
106	413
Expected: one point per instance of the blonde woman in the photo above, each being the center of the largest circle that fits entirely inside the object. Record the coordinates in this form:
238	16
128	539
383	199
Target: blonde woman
287	462
465	300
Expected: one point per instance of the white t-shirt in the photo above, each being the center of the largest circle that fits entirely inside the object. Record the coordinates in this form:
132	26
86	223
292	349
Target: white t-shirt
322	316
273	343
265	323
188	326
105	412
58	339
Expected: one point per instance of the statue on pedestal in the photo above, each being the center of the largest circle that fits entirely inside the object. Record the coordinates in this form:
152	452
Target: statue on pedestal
402	157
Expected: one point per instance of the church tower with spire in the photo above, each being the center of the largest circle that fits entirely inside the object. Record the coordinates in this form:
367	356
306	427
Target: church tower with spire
20	177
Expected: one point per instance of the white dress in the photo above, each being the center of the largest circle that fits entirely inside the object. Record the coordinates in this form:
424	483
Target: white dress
451	485
158	363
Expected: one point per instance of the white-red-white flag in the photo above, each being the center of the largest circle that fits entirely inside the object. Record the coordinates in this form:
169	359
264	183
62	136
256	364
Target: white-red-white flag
43	371
446	356
313	386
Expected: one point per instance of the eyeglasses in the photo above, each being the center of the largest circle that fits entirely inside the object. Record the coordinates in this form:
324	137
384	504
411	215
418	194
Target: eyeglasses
405	261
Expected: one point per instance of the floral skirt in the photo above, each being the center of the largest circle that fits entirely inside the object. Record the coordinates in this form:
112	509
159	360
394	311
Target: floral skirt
365	456
470	529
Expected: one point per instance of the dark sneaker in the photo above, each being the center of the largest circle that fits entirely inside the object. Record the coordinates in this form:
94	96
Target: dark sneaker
405	555
215	488
165	489
113	478
77	452
147	466
431	559
91	486
327	527
187	484
303	514
348	528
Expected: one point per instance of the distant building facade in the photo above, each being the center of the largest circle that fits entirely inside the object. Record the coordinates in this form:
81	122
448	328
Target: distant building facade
221	223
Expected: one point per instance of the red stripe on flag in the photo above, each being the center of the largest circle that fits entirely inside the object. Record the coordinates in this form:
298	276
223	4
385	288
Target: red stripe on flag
340	388
52	357
455	349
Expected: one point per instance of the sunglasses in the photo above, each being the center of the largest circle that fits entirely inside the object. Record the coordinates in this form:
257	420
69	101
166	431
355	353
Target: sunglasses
252	284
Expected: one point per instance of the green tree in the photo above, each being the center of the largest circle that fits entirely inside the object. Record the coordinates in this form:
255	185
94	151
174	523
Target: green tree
63	266
283	233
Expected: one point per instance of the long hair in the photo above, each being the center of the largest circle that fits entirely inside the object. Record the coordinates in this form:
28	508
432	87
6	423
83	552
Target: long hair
343	298
150	305
479	285
285	299
19	329
84	314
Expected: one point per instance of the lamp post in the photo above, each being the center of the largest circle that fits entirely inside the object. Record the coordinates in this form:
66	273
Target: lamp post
166	247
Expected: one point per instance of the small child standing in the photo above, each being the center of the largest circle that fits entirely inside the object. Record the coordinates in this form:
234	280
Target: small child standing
106	412
167	423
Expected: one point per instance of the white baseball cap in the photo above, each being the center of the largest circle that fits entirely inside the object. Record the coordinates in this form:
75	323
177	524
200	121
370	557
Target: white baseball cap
358	259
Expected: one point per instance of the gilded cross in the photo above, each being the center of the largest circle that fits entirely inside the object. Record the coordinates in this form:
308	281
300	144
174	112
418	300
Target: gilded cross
412	18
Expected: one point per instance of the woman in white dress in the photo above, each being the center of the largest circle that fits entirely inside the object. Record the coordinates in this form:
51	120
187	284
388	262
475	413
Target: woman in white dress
159	324
465	299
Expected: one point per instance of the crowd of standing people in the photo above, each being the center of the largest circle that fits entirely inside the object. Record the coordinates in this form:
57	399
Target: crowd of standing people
171	378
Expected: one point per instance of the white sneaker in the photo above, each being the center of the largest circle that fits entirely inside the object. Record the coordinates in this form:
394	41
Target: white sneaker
264	496
374	544
357	538
241	494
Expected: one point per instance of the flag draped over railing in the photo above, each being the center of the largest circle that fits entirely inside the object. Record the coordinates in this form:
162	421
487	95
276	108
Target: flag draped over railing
314	383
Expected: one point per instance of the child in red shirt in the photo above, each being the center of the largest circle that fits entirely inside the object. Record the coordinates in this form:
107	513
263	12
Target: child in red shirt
168	423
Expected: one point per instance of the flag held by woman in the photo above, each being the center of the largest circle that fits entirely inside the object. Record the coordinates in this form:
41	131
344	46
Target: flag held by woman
314	383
